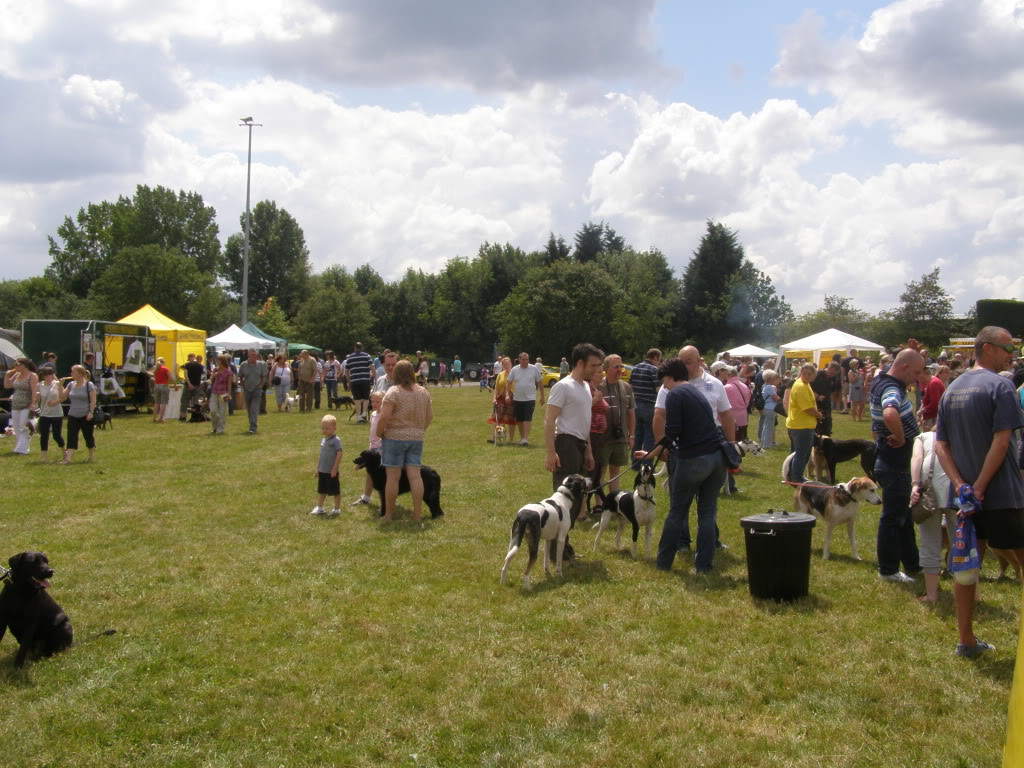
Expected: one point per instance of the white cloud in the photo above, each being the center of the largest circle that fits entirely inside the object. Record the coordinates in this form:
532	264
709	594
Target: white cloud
97	99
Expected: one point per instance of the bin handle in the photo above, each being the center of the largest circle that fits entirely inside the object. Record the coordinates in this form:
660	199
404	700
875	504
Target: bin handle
762	533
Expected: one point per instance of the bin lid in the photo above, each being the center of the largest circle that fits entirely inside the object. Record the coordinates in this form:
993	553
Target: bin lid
778	519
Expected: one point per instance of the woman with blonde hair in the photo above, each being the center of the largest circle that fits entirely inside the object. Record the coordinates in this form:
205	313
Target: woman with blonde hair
23	380
405	416
502	407
161	376
82	394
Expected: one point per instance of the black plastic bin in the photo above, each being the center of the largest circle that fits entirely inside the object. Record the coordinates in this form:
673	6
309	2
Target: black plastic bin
778	554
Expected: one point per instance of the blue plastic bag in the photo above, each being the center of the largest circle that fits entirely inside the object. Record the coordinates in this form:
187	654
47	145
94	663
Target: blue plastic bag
964	563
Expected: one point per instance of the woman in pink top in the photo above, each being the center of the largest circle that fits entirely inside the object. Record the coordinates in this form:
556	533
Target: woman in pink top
404	418
739	398
222	384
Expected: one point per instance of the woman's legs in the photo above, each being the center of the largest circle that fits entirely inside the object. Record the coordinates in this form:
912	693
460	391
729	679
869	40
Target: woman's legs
19	420
803	441
74	427
87	433
415	489
391	490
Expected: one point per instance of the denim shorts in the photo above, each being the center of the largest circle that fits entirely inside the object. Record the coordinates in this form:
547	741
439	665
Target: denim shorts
401	453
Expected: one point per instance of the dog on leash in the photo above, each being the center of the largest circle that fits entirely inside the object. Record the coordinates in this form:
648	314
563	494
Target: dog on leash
835	505
290	401
102	419
827	452
500	435
343	401
35	619
636	508
744	448
548	520
371	462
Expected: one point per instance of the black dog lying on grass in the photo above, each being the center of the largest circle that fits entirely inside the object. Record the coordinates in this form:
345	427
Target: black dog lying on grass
370	461
35	619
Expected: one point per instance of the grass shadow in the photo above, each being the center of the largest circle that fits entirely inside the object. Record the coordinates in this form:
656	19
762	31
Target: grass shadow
998	669
11	676
576	572
804	605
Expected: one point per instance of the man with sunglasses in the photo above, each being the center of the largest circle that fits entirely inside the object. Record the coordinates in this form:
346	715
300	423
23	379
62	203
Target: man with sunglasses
975	446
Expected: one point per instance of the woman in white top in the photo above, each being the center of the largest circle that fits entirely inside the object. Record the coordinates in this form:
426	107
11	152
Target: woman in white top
281	372
927	476
51	413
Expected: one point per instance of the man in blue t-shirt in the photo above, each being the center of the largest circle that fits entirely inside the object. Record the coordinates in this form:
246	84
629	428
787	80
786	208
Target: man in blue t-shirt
894	426
975	445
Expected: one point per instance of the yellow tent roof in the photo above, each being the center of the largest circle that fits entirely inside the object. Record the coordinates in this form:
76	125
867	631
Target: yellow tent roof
156	320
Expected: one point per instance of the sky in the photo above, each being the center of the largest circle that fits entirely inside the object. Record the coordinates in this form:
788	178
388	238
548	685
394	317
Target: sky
854	146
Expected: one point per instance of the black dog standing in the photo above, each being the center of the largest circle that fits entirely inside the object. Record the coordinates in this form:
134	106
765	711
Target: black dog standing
38	624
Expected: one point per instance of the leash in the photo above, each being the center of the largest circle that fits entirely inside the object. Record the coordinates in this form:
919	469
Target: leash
629	468
813	484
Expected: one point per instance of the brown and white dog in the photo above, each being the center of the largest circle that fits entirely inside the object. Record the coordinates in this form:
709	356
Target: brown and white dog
835	505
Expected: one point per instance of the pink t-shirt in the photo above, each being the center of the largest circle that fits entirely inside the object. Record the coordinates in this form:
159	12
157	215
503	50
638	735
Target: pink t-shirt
374	439
739	396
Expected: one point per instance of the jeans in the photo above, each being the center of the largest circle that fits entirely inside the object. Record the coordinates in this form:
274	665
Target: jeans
316	394
332	389
49	424
896	540
218	413
701	476
252	405
803	441
643	440
765	428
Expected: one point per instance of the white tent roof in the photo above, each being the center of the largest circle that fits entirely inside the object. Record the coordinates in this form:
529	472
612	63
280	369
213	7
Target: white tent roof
749	350
235	338
831	339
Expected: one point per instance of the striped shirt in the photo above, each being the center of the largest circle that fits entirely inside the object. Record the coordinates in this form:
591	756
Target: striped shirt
358	367
887	392
644	381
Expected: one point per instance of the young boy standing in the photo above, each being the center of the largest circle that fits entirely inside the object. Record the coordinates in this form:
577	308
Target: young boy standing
327	468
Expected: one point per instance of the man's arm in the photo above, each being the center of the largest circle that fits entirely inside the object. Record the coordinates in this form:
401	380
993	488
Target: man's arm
728	424
993	460
551	462
891	417
948	465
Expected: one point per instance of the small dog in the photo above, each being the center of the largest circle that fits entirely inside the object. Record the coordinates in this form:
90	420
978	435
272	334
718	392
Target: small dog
290	401
500	435
371	462
827	452
35	619
836	505
637	508
343	401
102	419
196	414
745	448
549	520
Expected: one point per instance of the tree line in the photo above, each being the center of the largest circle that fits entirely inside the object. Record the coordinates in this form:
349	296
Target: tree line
162	247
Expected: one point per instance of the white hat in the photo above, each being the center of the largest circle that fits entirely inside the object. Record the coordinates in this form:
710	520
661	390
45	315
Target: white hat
719	365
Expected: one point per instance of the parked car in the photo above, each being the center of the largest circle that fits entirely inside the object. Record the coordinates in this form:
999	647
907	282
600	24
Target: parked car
549	375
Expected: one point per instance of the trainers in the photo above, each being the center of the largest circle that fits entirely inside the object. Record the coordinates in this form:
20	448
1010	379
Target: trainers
317	511
360	500
899	577
334	512
524	442
974	651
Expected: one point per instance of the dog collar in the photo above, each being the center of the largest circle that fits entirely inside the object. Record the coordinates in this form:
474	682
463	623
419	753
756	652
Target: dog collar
5	574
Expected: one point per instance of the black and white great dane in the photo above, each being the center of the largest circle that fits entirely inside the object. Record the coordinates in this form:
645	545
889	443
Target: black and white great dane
636	508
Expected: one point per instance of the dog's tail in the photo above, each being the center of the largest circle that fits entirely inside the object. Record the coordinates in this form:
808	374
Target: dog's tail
526	525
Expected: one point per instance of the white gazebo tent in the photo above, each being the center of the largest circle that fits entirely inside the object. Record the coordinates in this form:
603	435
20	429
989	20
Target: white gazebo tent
235	338
821	346
748	350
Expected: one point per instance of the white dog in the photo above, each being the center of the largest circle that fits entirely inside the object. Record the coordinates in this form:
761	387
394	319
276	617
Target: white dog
745	448
290	401
548	520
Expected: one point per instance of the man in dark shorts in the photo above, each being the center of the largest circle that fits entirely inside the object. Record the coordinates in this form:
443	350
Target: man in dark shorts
975	444
191	390
526	380
359	366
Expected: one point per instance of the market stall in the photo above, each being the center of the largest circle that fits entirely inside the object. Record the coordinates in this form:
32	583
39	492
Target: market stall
749	350
234	339
281	344
820	347
174	341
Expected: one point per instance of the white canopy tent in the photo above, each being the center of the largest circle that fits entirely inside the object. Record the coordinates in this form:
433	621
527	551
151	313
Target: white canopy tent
235	338
748	350
821	346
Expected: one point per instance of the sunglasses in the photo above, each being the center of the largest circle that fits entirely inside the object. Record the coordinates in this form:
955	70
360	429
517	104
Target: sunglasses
1005	347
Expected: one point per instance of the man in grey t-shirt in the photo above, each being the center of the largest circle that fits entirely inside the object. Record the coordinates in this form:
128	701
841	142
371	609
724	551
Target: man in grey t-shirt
975	444
526	379
253	375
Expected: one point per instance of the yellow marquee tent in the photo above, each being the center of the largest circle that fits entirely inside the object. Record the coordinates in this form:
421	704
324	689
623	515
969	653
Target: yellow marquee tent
174	341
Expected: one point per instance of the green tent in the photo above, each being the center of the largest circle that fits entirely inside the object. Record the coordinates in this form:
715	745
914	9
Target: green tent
253	330
295	348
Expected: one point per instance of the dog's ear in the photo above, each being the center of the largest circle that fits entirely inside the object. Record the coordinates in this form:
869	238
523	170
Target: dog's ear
18	560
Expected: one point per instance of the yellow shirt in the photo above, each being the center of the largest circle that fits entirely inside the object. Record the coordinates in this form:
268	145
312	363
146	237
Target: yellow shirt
800	401
503	387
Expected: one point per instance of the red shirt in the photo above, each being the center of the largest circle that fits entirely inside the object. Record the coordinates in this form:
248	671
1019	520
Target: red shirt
162	374
598	415
930	398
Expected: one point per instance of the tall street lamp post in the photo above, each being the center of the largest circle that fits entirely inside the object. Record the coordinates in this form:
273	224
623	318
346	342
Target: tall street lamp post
248	123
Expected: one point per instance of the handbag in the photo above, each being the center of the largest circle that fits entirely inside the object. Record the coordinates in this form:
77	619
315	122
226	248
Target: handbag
926	505
276	380
729	451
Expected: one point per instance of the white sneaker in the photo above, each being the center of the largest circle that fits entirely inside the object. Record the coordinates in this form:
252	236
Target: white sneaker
360	500
334	512
899	577
318	510
524	442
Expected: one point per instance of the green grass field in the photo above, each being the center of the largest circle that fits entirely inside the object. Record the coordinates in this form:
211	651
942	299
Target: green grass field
252	634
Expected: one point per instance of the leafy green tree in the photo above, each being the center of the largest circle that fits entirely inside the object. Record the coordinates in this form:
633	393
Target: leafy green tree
612	241
278	258
642	312
589	241
757	311
147	274
459	311
270	318
926	310
707	292
367	279
213	310
553	308
556	249
837	312
36	298
85	245
335	315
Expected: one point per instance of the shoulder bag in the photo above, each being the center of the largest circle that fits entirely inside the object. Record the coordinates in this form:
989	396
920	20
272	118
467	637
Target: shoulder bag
926	505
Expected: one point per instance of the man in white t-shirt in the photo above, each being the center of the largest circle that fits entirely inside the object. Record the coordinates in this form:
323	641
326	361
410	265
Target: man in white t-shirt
525	379
713	389
567	423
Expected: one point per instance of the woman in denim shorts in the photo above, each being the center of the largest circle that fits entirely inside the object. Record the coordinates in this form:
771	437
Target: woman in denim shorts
404	418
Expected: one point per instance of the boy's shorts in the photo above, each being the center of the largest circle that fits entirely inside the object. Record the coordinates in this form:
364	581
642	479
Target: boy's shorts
327	485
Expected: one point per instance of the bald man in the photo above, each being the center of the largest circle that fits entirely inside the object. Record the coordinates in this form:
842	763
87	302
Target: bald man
894	426
711	388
